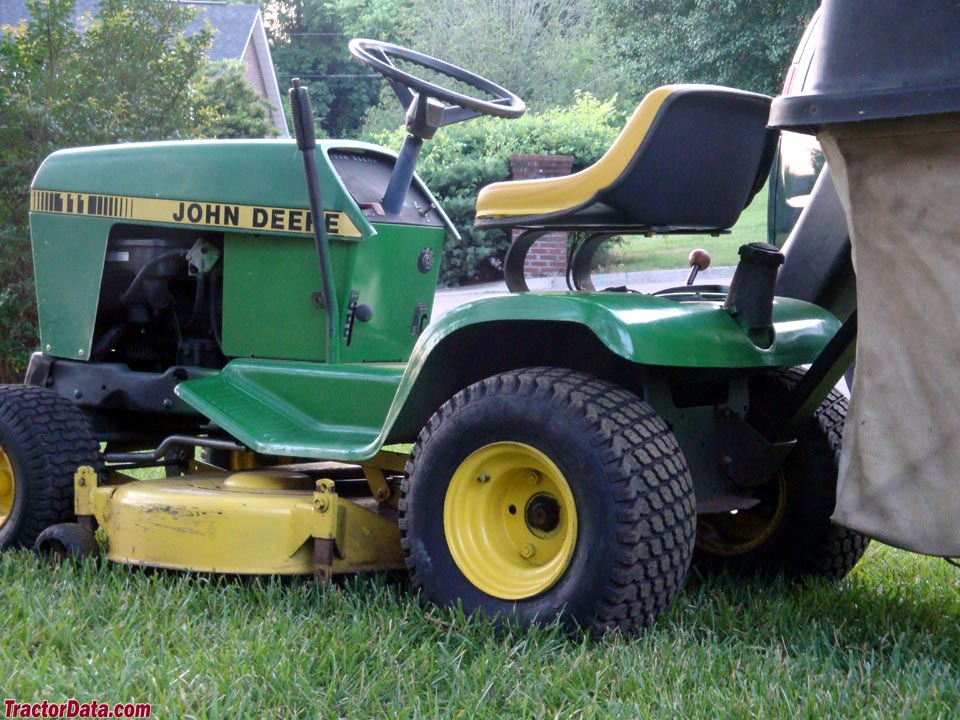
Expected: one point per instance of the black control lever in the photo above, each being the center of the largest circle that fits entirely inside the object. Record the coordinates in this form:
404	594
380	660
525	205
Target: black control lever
303	127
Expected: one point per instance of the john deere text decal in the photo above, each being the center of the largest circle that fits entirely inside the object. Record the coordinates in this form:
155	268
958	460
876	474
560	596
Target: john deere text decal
188	212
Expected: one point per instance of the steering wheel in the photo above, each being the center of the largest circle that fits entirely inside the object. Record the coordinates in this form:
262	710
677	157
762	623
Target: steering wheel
377	55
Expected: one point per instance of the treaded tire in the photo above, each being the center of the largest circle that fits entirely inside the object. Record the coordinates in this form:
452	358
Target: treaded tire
66	541
799	540
630	486
45	439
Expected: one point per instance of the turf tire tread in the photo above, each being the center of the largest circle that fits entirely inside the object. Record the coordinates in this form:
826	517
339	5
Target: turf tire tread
51	438
649	485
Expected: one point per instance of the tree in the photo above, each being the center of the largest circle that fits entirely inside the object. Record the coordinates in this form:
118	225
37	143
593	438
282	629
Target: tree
307	40
127	74
60	87
543	50
374	19
738	43
227	106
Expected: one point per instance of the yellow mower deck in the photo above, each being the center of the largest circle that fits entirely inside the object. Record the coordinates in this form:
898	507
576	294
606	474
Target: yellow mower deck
273	521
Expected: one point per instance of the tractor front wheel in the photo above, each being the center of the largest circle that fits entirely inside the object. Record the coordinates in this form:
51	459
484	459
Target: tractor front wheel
546	493
66	541
43	440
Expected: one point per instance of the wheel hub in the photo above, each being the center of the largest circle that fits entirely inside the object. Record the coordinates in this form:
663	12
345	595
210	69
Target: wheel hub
6	487
735	533
542	514
510	520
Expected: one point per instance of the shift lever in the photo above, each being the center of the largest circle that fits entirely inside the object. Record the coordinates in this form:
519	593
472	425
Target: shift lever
699	260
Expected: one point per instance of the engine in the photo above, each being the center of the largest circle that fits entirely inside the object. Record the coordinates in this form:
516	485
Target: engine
160	300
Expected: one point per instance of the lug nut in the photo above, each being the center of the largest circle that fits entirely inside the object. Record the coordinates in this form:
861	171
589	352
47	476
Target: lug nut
528	550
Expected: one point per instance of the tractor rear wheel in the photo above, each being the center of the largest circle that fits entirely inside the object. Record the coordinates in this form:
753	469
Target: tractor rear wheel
43	440
789	530
545	493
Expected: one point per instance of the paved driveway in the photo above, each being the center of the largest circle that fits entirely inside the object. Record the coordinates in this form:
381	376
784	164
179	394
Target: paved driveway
649	281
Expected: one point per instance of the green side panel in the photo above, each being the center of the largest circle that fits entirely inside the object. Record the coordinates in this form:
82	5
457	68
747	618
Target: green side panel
299	409
389	278
270	283
68	265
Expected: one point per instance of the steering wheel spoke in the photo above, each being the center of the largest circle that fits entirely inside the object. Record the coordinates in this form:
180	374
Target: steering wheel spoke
405	95
454	114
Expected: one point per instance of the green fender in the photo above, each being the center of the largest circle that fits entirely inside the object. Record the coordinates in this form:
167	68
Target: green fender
348	412
653	330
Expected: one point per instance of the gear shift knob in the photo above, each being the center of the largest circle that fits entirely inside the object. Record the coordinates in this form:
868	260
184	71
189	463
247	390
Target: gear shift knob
699	260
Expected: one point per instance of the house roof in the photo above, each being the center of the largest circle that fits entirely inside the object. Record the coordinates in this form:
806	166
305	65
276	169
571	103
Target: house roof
14	12
233	25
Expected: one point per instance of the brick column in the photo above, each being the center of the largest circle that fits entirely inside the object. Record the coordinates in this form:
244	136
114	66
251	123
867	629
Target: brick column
548	256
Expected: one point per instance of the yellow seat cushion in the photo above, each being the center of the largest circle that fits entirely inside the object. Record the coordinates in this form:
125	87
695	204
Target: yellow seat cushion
519	198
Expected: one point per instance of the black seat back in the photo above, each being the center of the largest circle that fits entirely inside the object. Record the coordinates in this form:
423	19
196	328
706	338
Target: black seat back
705	156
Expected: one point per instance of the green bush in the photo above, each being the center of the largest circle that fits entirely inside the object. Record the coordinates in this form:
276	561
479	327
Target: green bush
17	298
227	106
462	159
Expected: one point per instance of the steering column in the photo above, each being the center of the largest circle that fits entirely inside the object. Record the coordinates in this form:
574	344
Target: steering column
429	106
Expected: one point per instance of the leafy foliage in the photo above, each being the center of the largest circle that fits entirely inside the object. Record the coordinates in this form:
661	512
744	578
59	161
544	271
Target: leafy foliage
375	19
308	41
461	159
18	321
543	50
738	43
228	106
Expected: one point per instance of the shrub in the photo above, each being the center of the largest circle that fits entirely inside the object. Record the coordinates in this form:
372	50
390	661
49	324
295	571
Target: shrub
463	158
227	106
17	298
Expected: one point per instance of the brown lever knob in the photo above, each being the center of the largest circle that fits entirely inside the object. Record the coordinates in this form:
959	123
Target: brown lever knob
699	260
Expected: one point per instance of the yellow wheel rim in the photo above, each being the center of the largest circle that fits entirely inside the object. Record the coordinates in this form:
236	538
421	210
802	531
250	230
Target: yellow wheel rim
510	520
7	487
730	534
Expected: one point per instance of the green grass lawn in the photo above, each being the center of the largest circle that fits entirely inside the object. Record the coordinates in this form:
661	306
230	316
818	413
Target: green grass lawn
671	251
885	643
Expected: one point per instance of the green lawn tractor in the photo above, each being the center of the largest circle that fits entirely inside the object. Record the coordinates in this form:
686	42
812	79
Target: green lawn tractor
270	343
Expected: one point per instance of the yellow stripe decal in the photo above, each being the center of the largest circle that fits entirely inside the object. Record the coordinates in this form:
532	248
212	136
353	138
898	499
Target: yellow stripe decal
188	212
